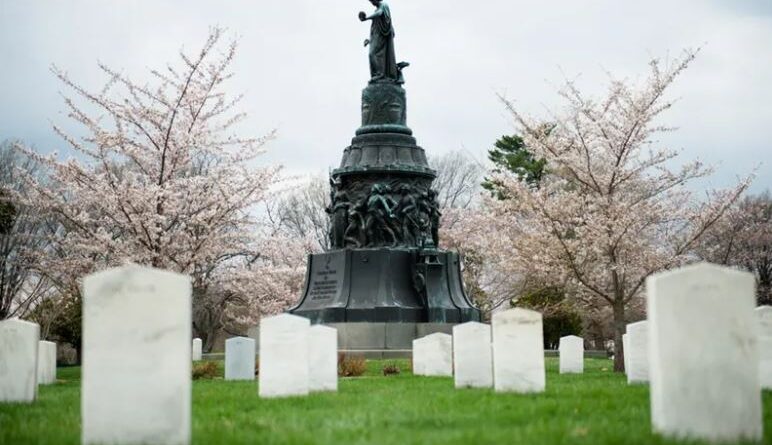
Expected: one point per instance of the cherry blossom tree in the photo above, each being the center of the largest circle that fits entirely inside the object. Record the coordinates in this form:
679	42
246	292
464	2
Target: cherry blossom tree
488	279
160	178
273	281
611	210
459	189
744	239
22	235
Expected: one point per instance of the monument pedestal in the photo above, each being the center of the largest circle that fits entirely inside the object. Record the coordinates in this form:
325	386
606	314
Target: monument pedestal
385	285
384	340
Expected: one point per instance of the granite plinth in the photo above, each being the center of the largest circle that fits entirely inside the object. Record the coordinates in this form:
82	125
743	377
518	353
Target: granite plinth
378	286
384	336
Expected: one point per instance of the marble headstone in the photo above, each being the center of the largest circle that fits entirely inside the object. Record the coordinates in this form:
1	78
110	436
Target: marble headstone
197	349
472	355
46	362
625	348
703	354
18	360
637	352
240	358
764	315
284	356
418	354
323	358
136	385
571	349
434	355
518	351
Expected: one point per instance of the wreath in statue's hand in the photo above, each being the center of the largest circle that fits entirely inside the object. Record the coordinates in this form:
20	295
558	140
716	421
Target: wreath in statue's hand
362	16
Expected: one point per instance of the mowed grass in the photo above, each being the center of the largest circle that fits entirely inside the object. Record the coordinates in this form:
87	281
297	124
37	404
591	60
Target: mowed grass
597	407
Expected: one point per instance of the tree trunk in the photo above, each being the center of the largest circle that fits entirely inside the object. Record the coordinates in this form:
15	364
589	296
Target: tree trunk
619	329
78	352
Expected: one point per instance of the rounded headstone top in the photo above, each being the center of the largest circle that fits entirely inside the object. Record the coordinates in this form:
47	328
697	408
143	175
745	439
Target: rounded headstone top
285	319
436	335
239	340
764	313
323	329
517	315
19	323
469	326
140	277
699	271
572	338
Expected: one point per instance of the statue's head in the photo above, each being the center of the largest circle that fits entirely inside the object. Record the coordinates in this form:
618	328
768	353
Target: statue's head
375	2
376	188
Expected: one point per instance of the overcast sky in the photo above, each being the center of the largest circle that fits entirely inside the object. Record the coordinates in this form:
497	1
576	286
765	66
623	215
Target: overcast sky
302	66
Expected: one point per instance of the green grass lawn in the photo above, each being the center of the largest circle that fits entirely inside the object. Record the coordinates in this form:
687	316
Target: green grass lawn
594	408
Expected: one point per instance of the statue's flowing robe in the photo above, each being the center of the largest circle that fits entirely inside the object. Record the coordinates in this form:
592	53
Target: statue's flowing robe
383	63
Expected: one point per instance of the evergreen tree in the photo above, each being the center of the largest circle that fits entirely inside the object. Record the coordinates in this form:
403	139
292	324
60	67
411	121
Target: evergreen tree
510	153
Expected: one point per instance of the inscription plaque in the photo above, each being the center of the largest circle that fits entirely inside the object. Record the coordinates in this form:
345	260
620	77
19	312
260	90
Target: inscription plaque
325	281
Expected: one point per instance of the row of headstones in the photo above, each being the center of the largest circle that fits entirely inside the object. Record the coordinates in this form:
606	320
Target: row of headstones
296	358
636	349
137	355
509	356
705	350
25	361
703	355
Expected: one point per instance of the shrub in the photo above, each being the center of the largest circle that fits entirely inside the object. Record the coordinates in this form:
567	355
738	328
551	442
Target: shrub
257	367
205	370
390	369
351	366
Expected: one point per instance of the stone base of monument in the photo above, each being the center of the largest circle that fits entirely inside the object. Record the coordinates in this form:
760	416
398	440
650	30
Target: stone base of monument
354	337
385	286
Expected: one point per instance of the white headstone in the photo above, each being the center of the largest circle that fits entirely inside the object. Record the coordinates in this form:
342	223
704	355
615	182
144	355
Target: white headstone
18	360
472	355
637	352
764	315
434	355
323	358
571	350
46	362
240	358
284	356
419	353
136	384
703	354
626	347
197	349
518	351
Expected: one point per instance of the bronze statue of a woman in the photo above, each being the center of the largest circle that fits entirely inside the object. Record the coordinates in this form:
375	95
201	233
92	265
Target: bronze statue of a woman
383	62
